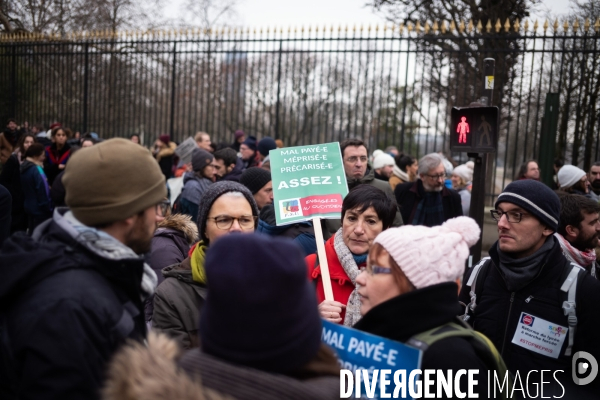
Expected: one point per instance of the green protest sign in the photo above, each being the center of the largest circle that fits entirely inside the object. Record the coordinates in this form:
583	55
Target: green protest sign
308	182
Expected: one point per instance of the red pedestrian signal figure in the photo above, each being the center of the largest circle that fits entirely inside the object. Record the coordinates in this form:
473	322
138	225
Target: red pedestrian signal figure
462	129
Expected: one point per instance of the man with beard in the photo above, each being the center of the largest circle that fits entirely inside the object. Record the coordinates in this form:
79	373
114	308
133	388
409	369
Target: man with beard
594	179
579	230
427	201
74	290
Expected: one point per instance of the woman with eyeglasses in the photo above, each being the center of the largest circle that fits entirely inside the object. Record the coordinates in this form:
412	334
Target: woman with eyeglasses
226	207
410	287
366	212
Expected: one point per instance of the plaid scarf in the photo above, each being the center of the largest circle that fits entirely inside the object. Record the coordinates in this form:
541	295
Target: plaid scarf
430	211
582	258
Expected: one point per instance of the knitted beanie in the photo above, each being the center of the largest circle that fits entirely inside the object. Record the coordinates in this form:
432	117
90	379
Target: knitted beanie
200	159
569	175
165	139
250	142
260	311
255	178
112	181
211	194
265	145
238	134
464	172
382	160
428	256
376	153
535	198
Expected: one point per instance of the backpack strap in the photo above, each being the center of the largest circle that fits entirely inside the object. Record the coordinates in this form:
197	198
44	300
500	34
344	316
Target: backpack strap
472	284
569	286
483	346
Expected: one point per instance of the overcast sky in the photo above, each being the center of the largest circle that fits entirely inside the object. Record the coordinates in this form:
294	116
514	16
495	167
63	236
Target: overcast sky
288	13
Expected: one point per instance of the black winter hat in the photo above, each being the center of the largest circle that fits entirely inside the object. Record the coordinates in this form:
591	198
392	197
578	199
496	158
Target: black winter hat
260	311
265	145
200	159
255	178
534	197
211	194
250	142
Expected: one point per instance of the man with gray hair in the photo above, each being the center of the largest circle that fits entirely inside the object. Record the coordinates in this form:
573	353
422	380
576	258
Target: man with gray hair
427	201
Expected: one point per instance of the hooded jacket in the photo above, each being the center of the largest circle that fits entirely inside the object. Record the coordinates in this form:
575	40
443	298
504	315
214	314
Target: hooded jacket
154	372
499	310
177	304
65	310
35	191
236	172
193	189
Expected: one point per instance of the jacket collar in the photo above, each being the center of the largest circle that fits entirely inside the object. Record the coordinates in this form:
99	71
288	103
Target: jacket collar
419	189
409	314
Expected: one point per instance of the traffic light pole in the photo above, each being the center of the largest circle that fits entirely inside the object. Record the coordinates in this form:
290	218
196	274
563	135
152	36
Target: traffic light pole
481	160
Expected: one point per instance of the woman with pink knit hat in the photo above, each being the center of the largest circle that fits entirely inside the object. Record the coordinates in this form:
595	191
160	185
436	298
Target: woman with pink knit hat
410	287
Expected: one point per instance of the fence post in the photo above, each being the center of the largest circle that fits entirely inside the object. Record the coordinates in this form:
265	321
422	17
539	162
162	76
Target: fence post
173	87
13	108
278	90
86	87
548	138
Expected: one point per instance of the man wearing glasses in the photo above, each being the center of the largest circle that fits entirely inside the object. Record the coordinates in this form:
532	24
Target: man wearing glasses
78	284
427	201
537	308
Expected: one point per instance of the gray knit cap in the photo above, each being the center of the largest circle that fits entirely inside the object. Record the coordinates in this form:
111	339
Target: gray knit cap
212	193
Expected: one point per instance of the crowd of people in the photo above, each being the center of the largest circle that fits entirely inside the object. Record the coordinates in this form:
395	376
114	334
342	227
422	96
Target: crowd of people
132	273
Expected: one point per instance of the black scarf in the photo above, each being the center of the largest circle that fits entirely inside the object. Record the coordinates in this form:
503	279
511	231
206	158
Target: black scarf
519	272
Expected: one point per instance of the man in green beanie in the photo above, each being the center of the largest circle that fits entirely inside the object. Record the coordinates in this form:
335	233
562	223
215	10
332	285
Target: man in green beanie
77	285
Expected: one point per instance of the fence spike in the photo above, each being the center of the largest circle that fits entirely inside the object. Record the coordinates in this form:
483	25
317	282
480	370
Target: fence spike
401	28
516	25
555	26
488	26
409	27
443	27
576	25
566	26
470	26
435	27
586	25
526	26
507	26
479	26
597	25
461	27
418	27
452	26
427	27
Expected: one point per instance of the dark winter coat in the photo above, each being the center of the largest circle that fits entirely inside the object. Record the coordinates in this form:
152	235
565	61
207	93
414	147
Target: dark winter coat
5	213
236	172
177	303
69	302
54	158
191	194
10	178
8	141
408	195
57	191
331	226
159	371
35	189
302	233
410	314
498	312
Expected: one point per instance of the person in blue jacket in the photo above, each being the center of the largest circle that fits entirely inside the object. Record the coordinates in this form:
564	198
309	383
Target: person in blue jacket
38	205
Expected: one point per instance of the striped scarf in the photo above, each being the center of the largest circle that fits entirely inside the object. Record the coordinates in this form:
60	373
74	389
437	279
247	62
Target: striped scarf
583	258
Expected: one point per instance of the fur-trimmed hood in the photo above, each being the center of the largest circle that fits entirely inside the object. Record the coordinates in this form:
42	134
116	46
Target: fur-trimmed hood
151	373
182	223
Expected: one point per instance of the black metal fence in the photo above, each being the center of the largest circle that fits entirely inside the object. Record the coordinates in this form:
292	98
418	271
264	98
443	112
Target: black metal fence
387	85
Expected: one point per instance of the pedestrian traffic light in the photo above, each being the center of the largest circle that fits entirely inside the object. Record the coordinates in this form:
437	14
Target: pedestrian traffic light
474	129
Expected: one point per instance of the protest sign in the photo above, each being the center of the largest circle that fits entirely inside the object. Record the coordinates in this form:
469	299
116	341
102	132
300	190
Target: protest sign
184	150
361	351
308	182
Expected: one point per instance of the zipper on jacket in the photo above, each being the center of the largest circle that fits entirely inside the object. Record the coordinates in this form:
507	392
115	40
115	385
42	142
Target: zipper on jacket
512	299
527	300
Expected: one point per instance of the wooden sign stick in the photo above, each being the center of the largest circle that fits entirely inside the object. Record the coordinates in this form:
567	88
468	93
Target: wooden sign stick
322	258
